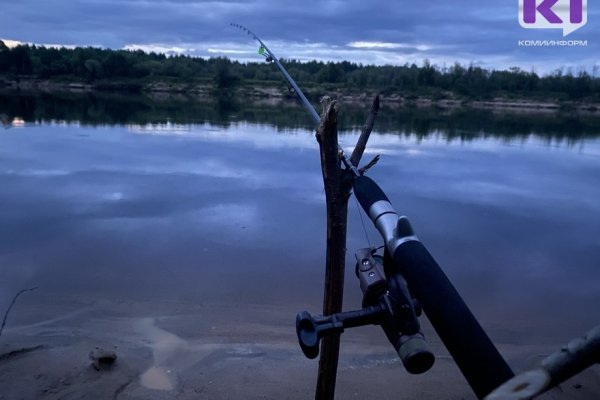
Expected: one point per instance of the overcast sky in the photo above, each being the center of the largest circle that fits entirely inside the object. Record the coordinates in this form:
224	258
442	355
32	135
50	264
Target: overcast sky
371	32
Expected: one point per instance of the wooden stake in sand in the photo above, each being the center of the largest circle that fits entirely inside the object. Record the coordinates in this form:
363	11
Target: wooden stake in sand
338	187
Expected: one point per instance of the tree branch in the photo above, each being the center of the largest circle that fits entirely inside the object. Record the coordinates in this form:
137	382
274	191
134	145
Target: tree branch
327	136
335	259
338	186
369	165
577	355
12	303
361	144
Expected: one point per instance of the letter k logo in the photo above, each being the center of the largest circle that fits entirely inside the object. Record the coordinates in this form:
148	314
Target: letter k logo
544	8
566	15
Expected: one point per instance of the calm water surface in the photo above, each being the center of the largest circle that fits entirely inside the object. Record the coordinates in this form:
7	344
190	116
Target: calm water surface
231	209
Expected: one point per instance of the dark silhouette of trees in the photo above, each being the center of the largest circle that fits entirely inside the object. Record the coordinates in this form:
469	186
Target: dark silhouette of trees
89	64
16	60
223	75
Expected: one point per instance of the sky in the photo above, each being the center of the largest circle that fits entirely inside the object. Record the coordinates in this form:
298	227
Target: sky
369	32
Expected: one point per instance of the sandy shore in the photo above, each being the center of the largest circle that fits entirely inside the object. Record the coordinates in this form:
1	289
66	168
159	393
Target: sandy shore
217	351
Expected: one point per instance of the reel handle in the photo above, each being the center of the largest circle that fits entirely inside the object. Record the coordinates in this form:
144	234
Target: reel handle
310	329
412	349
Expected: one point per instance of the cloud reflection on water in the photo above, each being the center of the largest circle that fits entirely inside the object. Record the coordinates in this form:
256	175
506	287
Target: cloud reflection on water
212	212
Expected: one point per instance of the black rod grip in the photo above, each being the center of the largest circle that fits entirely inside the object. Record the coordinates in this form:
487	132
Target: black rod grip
474	353
367	192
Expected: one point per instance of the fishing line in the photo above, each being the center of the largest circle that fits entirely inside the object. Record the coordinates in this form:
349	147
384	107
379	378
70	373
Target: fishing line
362	221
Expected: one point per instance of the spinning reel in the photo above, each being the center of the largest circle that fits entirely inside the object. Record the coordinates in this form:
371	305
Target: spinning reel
386	302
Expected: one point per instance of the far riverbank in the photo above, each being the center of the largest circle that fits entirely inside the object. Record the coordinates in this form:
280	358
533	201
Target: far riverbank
276	92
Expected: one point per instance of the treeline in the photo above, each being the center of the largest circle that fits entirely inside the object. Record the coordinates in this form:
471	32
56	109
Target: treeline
92	65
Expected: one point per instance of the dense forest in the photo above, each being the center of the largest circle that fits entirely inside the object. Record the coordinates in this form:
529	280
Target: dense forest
134	70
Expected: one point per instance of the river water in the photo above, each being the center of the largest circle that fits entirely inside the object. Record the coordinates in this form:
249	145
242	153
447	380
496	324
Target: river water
173	203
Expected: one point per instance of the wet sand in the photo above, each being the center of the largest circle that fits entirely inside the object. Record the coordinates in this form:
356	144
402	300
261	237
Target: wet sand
219	351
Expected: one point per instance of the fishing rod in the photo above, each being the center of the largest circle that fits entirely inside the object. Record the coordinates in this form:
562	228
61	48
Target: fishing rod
294	88
474	353
398	286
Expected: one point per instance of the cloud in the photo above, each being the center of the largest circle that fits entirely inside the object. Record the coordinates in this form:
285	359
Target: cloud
160	48
11	43
387	45
376	32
